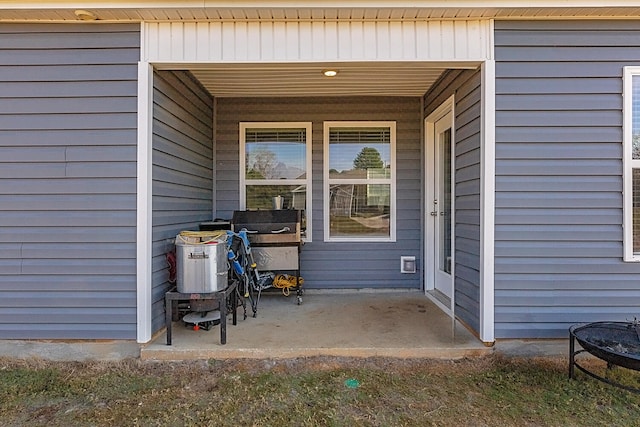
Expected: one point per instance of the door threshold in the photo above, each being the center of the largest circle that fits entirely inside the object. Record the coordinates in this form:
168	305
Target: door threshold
440	299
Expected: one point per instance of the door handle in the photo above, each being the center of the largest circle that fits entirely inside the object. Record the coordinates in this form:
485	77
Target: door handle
434	213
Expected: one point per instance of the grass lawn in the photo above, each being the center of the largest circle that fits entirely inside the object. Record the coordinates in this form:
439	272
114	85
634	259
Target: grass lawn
489	391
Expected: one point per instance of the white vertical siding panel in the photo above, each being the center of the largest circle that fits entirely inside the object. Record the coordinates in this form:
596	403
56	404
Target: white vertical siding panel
177	43
384	40
422	39
266	41
370	36
229	48
293	40
215	41
151	36
434	37
473	38
331	40
191	41
409	40
358	40
306	40
344	41
279	41
447	39
396	48
165	33
254	48
459	39
318	49
317	41
242	41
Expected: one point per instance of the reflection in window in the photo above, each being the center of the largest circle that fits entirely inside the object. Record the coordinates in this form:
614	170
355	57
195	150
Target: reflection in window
275	158
635	171
631	163
358	182
275	153
359	210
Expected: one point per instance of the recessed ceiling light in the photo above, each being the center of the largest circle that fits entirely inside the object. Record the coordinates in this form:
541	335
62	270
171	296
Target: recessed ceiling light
330	73
85	15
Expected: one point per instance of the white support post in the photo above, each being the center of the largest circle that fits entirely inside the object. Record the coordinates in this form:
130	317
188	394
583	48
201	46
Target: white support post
487	208
144	207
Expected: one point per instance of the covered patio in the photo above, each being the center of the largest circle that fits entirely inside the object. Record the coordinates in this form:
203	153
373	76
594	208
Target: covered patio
364	323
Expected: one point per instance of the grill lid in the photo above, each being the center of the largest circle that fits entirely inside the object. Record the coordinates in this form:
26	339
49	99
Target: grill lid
269	226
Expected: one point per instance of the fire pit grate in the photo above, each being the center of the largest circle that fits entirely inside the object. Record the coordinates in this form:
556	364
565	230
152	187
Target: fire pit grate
617	343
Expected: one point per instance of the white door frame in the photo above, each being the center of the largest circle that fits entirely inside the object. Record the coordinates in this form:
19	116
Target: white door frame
430	230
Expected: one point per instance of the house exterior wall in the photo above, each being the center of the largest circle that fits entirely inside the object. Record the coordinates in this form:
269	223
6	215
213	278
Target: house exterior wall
558	231
335	264
182	170
68	181
465	86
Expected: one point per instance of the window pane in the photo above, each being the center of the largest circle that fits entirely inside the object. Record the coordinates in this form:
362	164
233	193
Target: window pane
636	211
635	116
360	153
295	197
261	196
275	153
444	219
359	210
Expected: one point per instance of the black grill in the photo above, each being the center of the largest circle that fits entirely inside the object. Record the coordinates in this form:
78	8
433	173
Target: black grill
269	226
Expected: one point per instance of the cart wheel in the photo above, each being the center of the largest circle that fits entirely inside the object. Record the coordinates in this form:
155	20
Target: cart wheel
299	300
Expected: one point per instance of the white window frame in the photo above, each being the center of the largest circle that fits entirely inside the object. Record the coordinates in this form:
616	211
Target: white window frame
308	164
629	164
328	181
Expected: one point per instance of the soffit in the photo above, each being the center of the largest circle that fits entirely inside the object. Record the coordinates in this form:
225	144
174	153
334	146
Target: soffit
295	79
168	11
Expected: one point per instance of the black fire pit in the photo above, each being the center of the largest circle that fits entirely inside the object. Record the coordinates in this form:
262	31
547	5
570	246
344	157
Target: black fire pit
617	343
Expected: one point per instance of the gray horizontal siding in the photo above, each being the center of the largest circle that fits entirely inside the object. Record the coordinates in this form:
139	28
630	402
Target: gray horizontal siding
465	86
182	170
332	264
559	176
68	181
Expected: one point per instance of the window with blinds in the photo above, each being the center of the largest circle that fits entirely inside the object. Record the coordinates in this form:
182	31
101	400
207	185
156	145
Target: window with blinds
275	160
359	184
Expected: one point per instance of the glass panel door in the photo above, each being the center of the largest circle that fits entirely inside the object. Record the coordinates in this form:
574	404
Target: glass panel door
443	206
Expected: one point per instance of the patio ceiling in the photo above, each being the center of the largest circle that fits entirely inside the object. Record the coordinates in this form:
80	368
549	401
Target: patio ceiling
307	79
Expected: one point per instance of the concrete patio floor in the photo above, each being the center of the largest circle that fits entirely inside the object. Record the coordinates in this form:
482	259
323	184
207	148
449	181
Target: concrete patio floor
354	324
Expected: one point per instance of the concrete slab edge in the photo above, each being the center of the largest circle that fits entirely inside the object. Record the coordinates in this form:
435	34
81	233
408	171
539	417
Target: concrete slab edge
70	351
401	353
